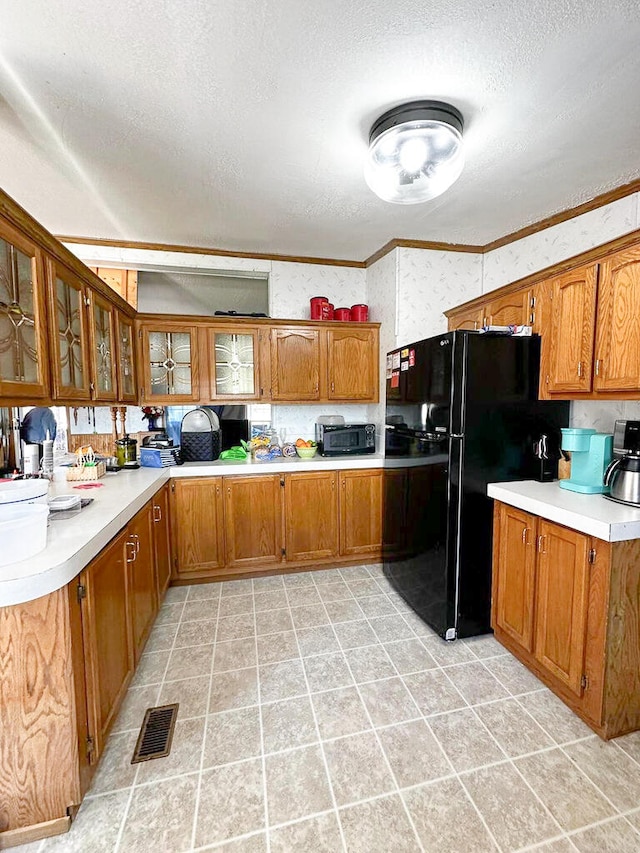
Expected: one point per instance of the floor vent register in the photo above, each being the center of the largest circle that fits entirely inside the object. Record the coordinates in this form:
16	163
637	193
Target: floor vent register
156	733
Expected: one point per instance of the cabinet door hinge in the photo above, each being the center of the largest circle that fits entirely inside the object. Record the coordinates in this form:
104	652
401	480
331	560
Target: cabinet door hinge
592	555
82	592
532	302
282	481
87	301
140	333
283	551
173	485
90	747
584	682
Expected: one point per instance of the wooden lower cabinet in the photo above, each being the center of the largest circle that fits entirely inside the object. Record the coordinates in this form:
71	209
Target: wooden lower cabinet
228	526
162	540
66	660
513	593
253	521
361	512
568	606
107	636
311	515
139	549
197	527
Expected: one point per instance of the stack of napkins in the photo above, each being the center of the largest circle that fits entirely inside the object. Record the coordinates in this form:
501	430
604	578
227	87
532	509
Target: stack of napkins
158	457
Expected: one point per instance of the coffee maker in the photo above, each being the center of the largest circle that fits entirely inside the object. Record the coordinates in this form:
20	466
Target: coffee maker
590	454
622	476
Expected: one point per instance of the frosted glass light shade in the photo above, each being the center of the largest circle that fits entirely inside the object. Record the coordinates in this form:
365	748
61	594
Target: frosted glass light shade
415	152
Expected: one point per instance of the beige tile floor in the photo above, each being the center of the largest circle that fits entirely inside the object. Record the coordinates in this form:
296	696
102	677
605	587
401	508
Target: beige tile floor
317	713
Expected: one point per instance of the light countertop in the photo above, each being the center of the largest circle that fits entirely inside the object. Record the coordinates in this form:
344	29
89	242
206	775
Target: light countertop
221	468
73	542
590	514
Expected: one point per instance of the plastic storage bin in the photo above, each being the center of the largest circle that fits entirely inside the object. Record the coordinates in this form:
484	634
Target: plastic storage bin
23	531
24	492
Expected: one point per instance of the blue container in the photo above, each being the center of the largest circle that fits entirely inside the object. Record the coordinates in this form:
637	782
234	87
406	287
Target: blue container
576	439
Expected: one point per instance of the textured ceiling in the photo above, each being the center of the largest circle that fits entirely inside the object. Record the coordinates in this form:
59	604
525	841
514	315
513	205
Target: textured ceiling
242	124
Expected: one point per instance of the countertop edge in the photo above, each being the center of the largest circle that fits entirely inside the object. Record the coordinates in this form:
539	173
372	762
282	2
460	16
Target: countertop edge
620	529
29	587
48	579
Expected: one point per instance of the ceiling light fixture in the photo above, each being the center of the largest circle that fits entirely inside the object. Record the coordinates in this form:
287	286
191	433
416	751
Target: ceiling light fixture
415	152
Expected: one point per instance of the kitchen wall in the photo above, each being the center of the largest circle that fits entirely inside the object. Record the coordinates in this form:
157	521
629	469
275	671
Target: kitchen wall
291	286
407	290
410	291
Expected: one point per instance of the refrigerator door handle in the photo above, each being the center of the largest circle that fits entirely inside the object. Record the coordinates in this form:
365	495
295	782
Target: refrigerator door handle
456	435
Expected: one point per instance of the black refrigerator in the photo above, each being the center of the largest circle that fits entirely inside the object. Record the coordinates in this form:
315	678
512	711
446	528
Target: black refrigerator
462	410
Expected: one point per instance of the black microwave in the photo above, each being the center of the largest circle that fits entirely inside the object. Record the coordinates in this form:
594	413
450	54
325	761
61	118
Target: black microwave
334	440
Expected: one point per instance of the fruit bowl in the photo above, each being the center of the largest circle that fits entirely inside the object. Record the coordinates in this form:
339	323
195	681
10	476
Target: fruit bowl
306	452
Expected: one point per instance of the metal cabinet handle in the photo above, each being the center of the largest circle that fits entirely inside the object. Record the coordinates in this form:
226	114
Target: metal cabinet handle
157	513
137	542
580	368
134	553
597	369
524	535
333	387
541	548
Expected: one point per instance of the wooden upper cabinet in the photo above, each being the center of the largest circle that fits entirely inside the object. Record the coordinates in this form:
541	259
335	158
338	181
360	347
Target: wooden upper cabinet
514	573
295	363
197	525
617	357
124	282
512	309
361	512
352	362
311	515
468	318
23	351
253	521
169	363
234	363
569	336
562	602
69	334
102	347
126	358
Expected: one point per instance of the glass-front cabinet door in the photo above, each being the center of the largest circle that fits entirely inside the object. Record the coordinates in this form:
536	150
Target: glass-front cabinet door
171	374
67	296
103	350
234	358
23	366
125	351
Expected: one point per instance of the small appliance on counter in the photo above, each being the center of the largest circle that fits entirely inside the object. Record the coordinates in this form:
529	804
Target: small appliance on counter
342	439
590	454
623	474
547	454
127	452
200	436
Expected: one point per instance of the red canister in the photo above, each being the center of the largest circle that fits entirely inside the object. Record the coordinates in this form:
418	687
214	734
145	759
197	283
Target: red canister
316	306
342	314
327	311
359	313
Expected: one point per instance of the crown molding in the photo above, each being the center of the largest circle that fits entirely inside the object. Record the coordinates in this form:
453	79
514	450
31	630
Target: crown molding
395	243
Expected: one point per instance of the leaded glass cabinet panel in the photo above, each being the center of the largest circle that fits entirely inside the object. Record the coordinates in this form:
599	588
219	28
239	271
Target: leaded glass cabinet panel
23	369
170	369
103	355
71	367
126	356
233	354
